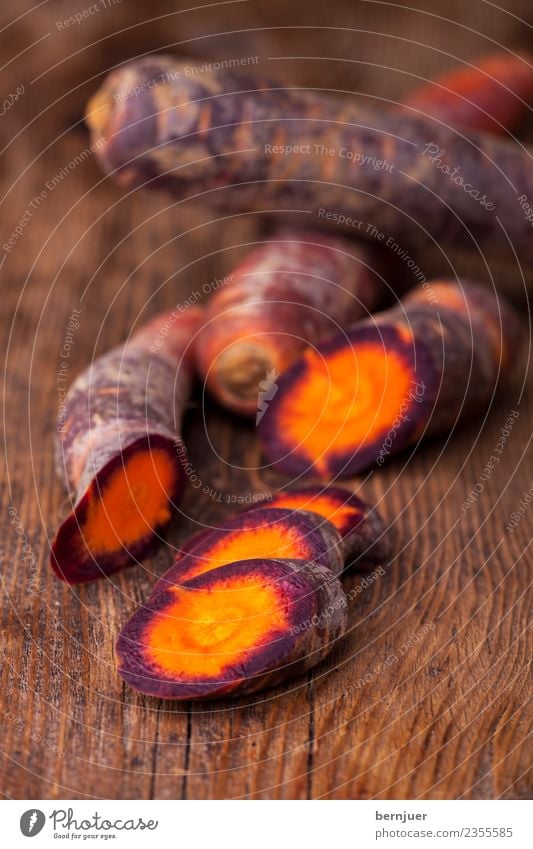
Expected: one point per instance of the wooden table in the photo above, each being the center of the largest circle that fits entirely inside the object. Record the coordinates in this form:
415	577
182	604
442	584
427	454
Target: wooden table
427	695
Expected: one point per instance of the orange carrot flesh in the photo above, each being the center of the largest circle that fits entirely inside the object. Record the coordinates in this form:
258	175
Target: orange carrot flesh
432	363
266	542
215	630
339	514
366	539
344	401
291	291
261	533
116	449
134	500
236	629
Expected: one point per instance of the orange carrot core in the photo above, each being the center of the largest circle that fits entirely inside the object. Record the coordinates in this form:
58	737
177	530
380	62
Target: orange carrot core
275	540
330	508
131	504
350	398
206	630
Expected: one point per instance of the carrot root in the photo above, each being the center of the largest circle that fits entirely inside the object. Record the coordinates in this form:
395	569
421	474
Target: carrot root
245	144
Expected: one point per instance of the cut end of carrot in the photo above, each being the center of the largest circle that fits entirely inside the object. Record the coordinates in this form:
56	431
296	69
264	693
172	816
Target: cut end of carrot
338	506
208	630
267	533
239	372
362	390
336	408
366	540
233	630
120	514
135	500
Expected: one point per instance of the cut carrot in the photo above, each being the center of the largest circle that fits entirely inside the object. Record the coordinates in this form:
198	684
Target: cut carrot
366	540
117	448
292	291
415	370
263	533
233	630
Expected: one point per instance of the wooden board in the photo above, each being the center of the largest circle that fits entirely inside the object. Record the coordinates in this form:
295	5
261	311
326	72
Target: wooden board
427	697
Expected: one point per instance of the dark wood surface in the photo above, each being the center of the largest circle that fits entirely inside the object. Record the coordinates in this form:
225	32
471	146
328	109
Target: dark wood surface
427	697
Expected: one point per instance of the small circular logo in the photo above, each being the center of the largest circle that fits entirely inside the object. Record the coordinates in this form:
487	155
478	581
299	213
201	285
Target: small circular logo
32	822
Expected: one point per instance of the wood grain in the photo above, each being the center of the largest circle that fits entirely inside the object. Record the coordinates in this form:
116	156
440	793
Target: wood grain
427	697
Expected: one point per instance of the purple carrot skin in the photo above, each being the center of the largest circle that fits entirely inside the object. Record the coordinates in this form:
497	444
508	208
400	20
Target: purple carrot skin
413	371
245	143
292	291
366	539
237	629
298	287
116	449
265	533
